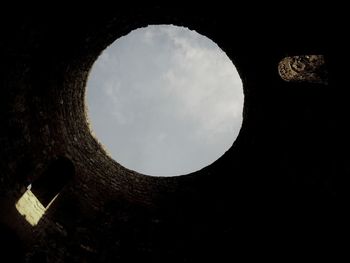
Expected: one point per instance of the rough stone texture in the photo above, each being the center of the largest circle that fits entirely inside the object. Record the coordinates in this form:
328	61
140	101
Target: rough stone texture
280	190
309	68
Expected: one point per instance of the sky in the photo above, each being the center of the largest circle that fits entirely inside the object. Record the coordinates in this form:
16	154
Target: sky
164	101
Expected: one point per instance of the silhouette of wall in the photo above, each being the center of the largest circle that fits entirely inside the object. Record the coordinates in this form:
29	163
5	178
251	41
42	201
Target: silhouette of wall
280	190
11	247
58	174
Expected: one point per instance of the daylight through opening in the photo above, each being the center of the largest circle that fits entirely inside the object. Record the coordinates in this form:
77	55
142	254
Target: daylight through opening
164	101
42	192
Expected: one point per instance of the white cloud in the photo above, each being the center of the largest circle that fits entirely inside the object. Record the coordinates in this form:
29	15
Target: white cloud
164	100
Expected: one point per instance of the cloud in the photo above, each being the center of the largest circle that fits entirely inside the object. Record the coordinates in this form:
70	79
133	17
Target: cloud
165	100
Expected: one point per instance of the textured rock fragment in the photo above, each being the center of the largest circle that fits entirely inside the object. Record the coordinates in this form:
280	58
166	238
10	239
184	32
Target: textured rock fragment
305	68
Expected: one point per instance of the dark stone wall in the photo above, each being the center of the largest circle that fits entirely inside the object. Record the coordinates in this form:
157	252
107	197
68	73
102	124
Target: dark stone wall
280	191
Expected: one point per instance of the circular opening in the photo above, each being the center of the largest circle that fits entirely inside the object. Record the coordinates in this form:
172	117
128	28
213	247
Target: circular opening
164	101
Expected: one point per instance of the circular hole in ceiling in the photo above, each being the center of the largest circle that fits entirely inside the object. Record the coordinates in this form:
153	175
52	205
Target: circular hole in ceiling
164	101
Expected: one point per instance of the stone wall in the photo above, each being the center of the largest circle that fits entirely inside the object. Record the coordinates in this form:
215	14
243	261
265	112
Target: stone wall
282	183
